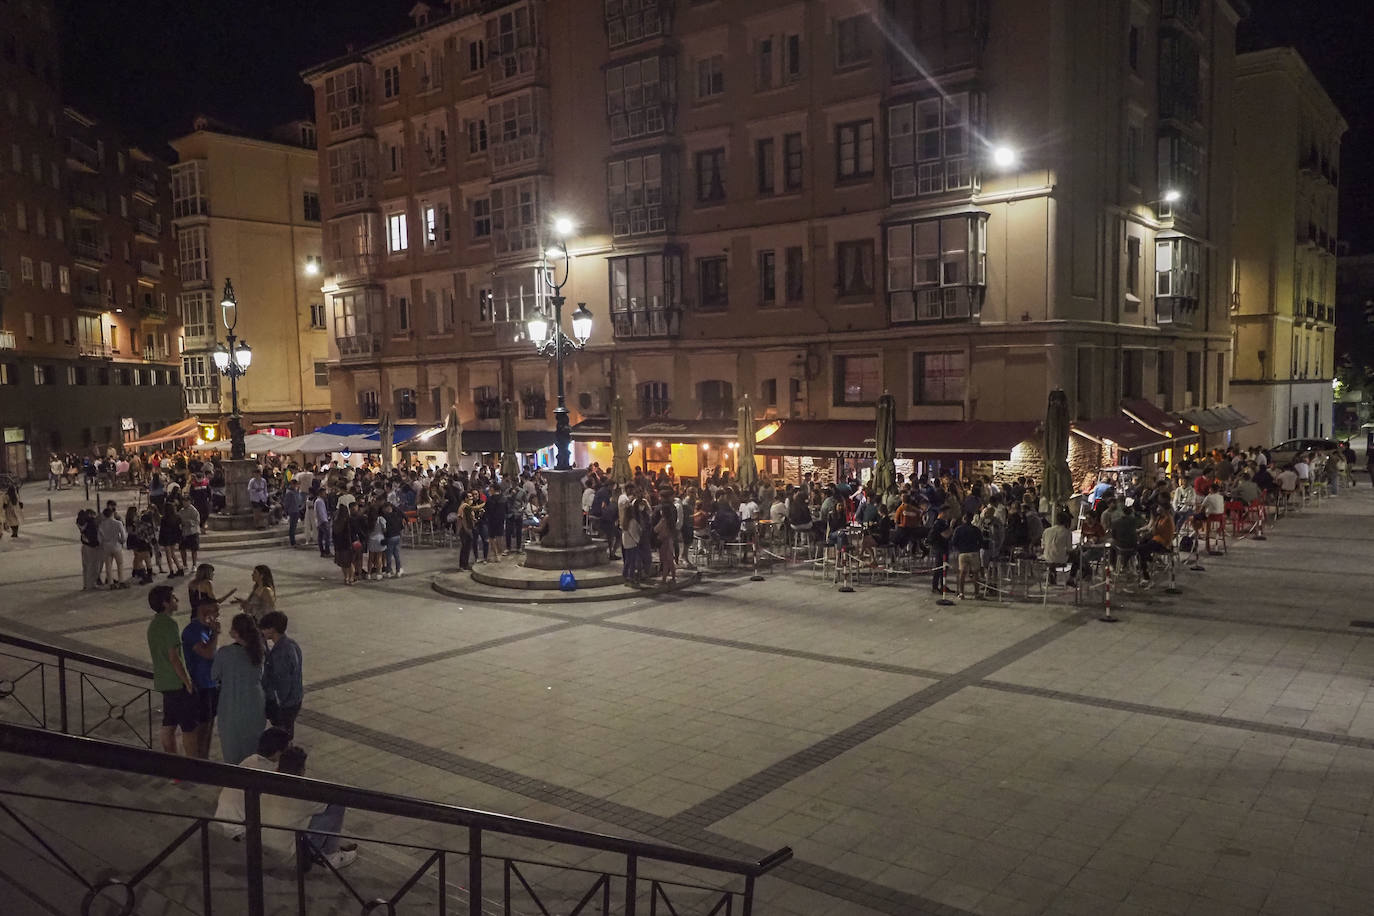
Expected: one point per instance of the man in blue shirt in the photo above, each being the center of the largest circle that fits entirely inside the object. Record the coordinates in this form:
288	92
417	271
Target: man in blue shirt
282	679
199	641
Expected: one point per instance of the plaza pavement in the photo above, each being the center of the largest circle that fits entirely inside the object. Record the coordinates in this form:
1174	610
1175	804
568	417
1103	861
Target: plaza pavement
1212	753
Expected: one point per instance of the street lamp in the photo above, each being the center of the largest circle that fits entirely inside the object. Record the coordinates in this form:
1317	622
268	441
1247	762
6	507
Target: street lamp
233	361
548	336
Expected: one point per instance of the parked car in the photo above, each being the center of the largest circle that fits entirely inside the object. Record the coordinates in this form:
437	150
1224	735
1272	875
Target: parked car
1285	452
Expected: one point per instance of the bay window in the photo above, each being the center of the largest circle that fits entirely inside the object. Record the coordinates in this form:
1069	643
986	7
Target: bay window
634	187
190	186
514	129
638	97
1177	280
937	269
646	295
350	171
343	99
357	321
515	216
929	148
629	21
513	298
193	247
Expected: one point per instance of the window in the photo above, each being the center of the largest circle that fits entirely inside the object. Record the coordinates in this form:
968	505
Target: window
939	378
854	150
391	81
350	169
710	76
858	380
712	290
854	266
357	320
1180	169
794	276
396	238
194	254
1132	271
768	277
190	185
40	222
44	375
343	99
393	156
58	232
513	297
710	175
400	305
628	21
438	231
21	217
533	403
1176	268
487	400
792	162
1133	47
430	67
49	334
763	63
634	187
405	404
510	41
197	314
764	164
636	95
852	47
317	319
369	405
928	145
433	144
310	202
64	279
443	308
936	269
717	399
477	55
653	399
515	129
515	216
1133	140
481	217
646	295
55	176
26	268
476	129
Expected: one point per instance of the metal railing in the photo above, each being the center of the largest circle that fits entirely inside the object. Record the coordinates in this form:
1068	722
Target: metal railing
645	877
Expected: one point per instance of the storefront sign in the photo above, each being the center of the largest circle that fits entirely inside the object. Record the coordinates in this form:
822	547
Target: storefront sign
127	424
14	434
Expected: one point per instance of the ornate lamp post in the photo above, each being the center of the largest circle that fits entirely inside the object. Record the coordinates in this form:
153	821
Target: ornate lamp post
233	361
566	546
552	341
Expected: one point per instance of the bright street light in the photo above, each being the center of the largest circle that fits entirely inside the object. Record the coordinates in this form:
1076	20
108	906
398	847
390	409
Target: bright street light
563	227
1004	157
1172	196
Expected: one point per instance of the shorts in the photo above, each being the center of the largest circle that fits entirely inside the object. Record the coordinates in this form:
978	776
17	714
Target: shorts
207	704
191	542
971	562
180	710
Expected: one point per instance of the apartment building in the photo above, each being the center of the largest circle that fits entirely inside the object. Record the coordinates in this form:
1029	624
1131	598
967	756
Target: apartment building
247	209
1285	245
87	326
966	204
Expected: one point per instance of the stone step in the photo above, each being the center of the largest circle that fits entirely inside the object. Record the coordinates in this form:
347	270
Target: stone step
243	540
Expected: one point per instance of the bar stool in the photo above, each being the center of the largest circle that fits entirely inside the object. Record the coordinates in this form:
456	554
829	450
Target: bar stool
1216	530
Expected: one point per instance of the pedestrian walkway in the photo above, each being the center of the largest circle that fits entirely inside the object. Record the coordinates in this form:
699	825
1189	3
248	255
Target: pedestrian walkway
1212	753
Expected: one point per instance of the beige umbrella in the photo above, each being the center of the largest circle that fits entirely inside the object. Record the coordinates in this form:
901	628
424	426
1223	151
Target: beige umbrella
386	433
453	432
1058	479
620	444
744	455
510	442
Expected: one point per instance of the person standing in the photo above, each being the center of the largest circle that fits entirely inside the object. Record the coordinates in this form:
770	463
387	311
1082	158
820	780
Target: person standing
282	677
262	597
170	677
55	469
323	532
291	507
88	524
13	510
237	669
341	534
199	642
188	516
112	540
394	521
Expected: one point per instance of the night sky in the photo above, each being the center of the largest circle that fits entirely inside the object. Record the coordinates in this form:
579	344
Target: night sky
151	65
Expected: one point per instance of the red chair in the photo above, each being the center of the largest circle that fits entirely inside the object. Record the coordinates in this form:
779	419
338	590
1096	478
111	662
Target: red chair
1235	510
1216	530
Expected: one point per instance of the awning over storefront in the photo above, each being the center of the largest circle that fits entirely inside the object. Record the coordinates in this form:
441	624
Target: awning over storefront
1123	432
1161	421
1216	419
966	439
598	429
401	433
182	429
476	440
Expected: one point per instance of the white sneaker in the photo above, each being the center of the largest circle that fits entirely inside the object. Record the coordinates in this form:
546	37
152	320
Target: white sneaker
342	858
400	571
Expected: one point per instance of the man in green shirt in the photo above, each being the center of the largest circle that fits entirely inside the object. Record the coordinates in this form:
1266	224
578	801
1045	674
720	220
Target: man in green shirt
179	708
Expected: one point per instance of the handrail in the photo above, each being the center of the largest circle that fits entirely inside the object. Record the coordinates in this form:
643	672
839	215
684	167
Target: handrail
94	661
49	745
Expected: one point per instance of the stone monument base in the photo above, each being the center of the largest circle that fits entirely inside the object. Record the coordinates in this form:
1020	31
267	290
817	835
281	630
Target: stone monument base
584	556
238	512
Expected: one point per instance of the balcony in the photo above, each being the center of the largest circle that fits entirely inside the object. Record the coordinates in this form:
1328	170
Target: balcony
89	254
7	340
94	349
354	267
155	355
1175	311
81	156
88	205
359	346
88	299
147	230
152	313
145	188
150	270
509	155
646	323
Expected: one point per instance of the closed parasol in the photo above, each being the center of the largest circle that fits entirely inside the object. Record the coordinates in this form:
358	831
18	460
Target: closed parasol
453	434
1058	485
510	443
744	455
620	444
386	433
885	445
